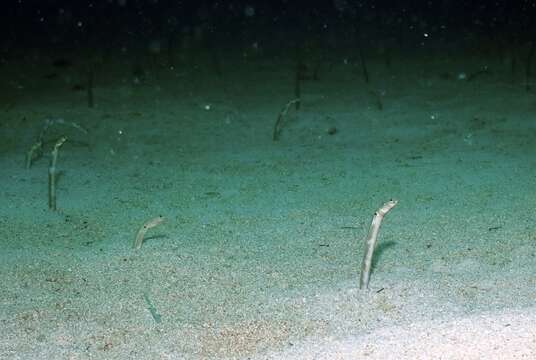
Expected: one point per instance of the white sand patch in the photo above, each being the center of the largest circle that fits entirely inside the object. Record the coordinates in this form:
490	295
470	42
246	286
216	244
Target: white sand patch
504	335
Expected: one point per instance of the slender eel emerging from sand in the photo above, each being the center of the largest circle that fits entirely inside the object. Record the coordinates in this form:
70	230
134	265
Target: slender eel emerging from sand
152	309
52	173
282	114
370	243
141	233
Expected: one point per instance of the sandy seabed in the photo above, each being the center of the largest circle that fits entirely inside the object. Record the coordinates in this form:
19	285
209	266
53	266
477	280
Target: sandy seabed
260	250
